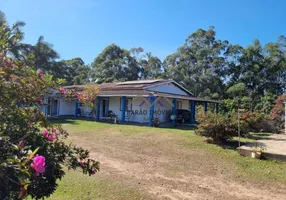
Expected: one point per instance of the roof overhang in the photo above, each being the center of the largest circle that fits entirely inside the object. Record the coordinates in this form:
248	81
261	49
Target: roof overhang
168	82
144	91
165	95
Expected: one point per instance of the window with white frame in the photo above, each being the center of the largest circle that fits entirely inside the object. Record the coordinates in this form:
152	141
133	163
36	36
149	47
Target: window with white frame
179	105
128	104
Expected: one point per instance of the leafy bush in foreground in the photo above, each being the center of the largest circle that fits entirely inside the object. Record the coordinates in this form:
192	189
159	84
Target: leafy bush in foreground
32	152
257	122
277	113
221	127
218	127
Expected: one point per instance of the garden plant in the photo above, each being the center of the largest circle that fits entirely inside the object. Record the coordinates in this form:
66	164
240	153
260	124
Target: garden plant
33	152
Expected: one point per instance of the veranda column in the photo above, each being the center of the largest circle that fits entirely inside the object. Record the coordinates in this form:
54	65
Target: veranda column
123	108
75	108
192	112
151	117
174	111
206	106
51	106
98	109
46	101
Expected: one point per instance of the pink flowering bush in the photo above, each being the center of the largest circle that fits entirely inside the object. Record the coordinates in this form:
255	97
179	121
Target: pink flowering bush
50	136
22	144
87	96
32	151
38	165
277	114
45	133
63	91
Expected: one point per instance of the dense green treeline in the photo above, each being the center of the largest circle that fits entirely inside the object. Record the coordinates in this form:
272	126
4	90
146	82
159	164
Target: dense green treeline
251	77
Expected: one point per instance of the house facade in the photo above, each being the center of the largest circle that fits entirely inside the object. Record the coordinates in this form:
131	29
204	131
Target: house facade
131	101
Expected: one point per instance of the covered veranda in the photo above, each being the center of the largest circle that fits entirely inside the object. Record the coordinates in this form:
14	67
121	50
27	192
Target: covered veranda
151	103
139	102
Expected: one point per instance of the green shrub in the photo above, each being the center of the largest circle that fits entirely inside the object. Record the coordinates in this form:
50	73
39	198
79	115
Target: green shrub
222	127
219	127
257	122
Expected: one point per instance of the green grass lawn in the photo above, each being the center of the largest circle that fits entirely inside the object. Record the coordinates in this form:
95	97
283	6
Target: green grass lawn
77	186
110	185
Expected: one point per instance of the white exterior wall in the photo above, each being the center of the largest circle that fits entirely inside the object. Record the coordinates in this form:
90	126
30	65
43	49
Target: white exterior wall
164	111
114	106
167	88
85	111
142	114
66	107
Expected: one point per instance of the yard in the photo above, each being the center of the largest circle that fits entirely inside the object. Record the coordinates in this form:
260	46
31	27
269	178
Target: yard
157	163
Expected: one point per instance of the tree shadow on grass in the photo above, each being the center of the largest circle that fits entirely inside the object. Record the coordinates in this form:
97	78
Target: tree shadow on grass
69	120
229	144
234	143
191	128
184	128
259	136
63	121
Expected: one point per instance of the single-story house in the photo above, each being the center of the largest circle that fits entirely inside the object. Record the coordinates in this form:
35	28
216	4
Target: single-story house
135	101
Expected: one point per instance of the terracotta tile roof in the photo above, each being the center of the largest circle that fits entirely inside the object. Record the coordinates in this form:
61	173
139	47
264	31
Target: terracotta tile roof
136	88
184	97
128	85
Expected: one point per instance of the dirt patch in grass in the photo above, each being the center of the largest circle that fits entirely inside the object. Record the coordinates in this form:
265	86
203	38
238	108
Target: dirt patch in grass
172	164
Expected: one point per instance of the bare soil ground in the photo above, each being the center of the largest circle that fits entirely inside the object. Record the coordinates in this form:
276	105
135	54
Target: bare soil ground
163	165
274	147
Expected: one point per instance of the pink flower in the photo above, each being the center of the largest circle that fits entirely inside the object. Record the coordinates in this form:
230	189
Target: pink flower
14	78
41	74
9	62
51	137
63	90
3	54
93	171
54	130
30	126
21	144
38	165
45	133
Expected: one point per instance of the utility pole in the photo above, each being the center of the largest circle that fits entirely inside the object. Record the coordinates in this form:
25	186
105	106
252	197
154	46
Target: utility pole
285	117
238	126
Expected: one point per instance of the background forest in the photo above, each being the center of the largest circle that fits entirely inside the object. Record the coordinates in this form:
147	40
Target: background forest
251	77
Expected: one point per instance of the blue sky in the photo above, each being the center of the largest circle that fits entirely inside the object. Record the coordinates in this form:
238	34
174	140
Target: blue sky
82	28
